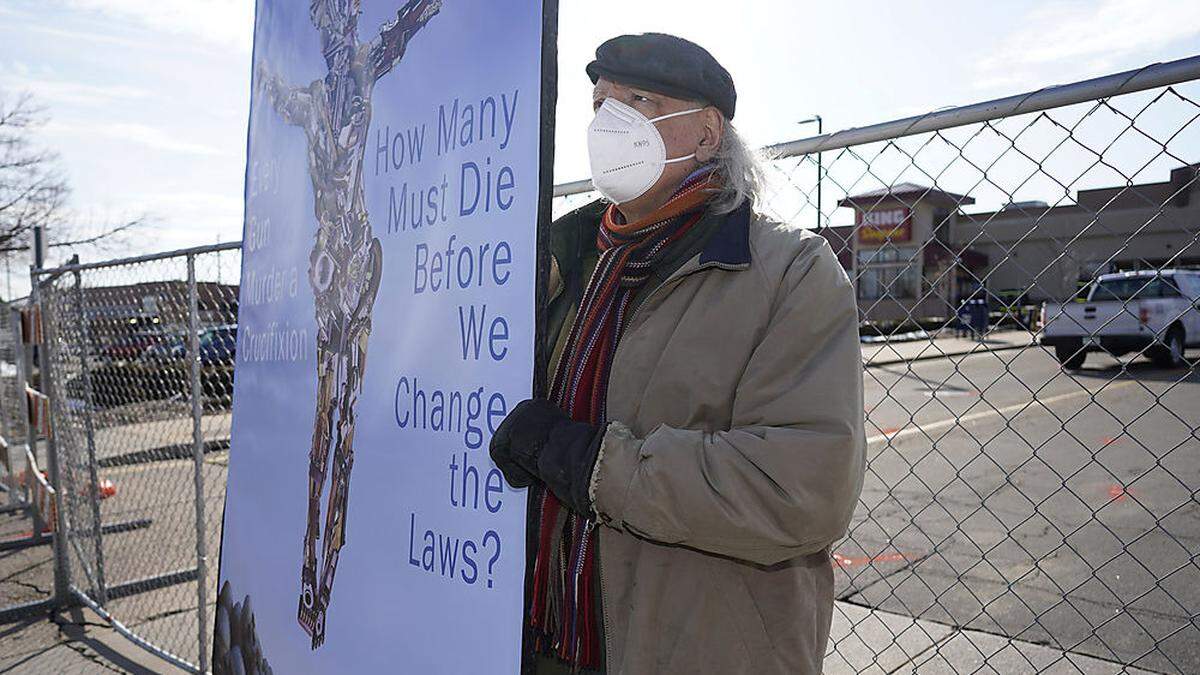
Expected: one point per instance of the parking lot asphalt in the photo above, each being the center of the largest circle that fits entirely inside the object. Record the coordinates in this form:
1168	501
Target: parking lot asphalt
1009	496
1012	512
151	533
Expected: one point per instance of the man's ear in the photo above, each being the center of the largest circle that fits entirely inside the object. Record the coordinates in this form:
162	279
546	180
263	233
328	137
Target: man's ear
713	128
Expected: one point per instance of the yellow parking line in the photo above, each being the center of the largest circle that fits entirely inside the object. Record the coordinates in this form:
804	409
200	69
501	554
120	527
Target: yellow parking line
1037	402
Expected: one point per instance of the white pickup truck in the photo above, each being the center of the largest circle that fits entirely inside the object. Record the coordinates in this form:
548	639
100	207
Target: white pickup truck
1153	311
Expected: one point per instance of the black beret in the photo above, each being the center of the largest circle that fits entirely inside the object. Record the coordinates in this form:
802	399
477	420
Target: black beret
668	65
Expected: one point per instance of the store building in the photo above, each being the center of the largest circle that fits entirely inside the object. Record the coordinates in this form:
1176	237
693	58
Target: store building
116	312
917	251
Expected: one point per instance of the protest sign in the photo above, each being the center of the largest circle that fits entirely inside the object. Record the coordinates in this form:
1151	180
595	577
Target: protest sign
398	168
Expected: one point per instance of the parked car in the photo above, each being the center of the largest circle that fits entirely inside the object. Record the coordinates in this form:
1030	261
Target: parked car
1012	298
218	344
167	348
128	347
1013	305
1151	310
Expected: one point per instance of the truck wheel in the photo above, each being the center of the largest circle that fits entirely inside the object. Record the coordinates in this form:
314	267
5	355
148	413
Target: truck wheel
1170	353
1071	355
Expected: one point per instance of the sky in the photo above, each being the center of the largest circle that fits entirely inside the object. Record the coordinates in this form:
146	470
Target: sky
147	99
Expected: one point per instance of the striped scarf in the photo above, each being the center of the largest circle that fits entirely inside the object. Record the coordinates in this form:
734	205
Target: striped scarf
563	607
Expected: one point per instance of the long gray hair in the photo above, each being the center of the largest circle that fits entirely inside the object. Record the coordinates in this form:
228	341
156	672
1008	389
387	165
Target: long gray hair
740	168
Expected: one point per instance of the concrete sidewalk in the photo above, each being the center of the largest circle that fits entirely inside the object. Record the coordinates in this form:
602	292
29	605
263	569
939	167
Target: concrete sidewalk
72	642
938	347
865	640
862	640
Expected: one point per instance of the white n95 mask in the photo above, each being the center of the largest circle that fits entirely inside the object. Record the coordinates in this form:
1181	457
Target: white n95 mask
626	151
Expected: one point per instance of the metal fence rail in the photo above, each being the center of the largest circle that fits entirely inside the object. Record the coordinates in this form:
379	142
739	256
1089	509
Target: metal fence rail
1032	500
1020	513
12	392
32	578
140	385
1028	507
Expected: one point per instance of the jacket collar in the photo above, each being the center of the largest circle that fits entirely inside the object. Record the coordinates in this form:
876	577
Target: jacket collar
729	244
573	235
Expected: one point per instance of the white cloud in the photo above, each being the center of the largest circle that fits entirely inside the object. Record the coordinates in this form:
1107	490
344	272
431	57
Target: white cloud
77	36
48	87
154	137
223	23
193	203
1082	38
141	134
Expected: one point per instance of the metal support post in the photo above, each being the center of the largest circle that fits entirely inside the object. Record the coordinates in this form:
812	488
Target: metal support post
62	571
93	491
820	131
820	172
198	461
11	485
19	495
25	379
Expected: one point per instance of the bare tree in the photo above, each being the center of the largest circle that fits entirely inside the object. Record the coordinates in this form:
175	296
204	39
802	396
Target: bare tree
33	190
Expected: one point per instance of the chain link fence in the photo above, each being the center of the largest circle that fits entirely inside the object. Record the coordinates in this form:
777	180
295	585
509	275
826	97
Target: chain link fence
1027	274
1030	501
1044	496
28	513
12	391
140	389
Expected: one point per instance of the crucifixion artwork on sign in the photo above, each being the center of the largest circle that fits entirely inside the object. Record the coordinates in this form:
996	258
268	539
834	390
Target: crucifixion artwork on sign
346	261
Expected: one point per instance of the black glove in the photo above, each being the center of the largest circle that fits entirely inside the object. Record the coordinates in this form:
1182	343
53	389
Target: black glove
538	441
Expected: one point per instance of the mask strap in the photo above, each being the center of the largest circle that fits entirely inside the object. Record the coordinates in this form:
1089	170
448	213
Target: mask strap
675	114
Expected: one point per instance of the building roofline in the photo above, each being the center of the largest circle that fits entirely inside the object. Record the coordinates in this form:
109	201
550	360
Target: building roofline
923	192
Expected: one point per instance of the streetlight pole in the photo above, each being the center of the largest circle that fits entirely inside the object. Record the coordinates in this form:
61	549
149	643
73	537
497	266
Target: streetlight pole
820	130
853	240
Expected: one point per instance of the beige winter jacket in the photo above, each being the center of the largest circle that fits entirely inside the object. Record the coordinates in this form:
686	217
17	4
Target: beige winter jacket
734	454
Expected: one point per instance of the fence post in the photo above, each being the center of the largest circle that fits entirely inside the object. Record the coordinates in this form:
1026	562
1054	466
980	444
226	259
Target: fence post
17	494
93	472
24	380
198	460
62	575
15	502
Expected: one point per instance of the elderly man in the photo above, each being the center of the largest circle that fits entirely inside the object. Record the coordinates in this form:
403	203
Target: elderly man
702	445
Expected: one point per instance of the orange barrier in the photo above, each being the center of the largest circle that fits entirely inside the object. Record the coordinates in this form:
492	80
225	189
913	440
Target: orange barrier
41	493
31	325
38	405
